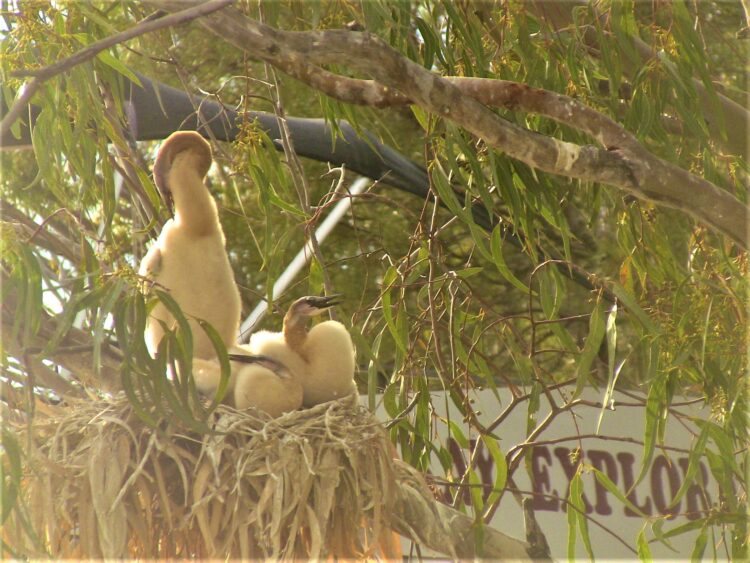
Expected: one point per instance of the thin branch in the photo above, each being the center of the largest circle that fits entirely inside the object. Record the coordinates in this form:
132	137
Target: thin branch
39	76
577	437
144	27
300	183
513	456
44	222
527	494
21	104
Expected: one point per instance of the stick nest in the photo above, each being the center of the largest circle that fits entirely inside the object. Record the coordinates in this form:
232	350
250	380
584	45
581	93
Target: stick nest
101	483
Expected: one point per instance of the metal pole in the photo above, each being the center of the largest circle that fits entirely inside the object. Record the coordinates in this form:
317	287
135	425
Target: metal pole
303	256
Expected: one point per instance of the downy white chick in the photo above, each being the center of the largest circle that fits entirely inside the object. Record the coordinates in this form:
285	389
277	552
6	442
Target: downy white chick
256	381
189	259
326	349
268	385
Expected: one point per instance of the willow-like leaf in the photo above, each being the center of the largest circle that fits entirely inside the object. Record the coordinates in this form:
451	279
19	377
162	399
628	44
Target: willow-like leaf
642	548
694	459
608	484
223	359
613	370
389	280
496	247
575	498
591	346
501	469
186	335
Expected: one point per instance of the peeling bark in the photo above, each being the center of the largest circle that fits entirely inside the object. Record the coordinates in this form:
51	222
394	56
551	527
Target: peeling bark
623	163
445	530
735	119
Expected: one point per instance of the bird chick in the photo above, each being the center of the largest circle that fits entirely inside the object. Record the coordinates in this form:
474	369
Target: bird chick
327	351
189	259
267	385
207	375
255	380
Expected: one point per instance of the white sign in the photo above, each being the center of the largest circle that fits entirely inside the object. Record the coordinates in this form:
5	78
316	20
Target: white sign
616	451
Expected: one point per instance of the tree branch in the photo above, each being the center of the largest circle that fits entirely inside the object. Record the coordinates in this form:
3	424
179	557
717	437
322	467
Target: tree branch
734	118
31	231
80	363
445	530
628	166
40	76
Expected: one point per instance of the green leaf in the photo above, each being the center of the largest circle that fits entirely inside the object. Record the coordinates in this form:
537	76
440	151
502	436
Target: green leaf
551	296
655	405
694	457
372	371
548	293
591	346
186	334
501	469
223	359
113	62
30	301
611	333
642	547
467	273
448	196
389	400
632	306
390	277
572	518
110	298
457	434
496	247
576	499
700	545
475	490
607	483
171	390
79	302
683	528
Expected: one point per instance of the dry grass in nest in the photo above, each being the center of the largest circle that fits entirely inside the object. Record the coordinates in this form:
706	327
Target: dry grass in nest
101	483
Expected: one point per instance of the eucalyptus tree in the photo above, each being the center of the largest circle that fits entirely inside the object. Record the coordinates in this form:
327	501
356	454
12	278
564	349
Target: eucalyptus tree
559	205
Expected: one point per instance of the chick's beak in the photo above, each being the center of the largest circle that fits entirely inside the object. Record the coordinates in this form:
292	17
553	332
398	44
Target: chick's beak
160	180
324	302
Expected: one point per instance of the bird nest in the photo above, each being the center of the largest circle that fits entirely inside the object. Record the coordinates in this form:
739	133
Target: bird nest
99	482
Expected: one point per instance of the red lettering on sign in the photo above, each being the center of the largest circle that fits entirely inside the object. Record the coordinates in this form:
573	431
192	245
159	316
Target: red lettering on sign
540	480
604	462
626	464
661	466
664	478
458	460
696	493
482	461
486	467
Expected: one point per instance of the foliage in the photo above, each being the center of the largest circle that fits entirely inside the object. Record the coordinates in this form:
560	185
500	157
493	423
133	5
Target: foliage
435	302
